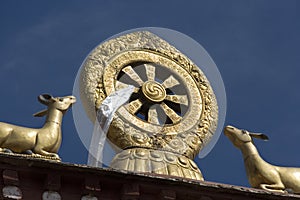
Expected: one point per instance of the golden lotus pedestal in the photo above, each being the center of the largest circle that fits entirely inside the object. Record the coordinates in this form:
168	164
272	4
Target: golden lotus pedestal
156	161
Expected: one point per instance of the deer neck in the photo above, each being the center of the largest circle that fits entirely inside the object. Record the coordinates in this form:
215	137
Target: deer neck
54	117
249	151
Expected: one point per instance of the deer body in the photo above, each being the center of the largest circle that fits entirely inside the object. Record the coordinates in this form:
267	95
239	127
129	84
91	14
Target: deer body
44	141
260	173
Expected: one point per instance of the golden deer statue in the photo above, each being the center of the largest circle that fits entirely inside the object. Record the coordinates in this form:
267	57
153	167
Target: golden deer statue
44	141
260	173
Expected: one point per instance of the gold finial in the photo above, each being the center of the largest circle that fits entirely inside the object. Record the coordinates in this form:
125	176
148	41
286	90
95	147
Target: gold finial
172	113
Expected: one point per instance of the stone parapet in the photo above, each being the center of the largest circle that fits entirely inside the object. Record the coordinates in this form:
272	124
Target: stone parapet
29	178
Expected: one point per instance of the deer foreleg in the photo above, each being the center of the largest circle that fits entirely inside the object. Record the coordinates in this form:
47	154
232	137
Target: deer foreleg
278	187
45	153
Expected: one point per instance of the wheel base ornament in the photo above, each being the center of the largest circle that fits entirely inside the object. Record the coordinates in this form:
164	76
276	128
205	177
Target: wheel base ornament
171	115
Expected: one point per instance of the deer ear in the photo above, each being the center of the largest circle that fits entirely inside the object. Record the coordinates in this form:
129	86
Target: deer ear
259	136
41	113
45	98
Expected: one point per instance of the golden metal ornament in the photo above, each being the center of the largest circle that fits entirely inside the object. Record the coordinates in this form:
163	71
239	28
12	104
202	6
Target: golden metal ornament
171	115
260	173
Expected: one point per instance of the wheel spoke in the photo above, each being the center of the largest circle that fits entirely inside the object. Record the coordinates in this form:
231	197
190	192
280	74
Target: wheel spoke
134	106
133	75
180	99
170	113
121	85
170	82
152	116
150	71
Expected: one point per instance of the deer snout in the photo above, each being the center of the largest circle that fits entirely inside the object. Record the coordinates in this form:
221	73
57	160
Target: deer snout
229	129
73	99
230	132
70	99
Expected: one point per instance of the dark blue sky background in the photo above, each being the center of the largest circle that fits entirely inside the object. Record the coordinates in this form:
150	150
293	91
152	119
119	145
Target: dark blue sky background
255	44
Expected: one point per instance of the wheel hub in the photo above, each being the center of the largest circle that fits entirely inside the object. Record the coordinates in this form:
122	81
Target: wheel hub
154	91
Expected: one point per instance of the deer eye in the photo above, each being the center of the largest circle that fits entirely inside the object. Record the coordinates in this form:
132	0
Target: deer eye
61	99
244	131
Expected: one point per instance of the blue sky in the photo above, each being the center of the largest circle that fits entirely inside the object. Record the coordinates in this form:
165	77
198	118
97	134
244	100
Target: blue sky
255	45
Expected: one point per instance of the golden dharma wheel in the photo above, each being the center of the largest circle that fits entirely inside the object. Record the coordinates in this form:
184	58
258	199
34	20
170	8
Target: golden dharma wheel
172	113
